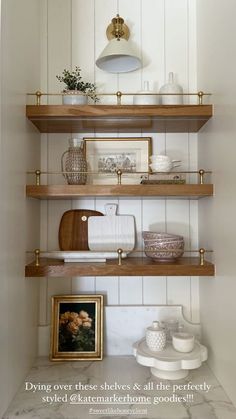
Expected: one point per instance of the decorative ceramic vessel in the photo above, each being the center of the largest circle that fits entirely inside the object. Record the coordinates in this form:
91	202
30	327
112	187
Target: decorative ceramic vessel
155	337
73	160
165	166
163	247
183	342
145	99
160	236
74	97
159	157
173	90
162	163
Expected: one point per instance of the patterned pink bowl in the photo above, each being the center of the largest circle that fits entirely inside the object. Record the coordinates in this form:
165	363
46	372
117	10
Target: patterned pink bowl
147	235
165	249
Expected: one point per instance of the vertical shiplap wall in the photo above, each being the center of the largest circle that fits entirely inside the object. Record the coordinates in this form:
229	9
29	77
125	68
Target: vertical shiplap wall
73	33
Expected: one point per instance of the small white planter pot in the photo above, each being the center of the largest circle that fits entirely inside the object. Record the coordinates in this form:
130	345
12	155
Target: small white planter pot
74	97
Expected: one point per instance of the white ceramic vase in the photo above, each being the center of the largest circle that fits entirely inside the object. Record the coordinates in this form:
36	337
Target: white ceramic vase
145	99
173	91
74	97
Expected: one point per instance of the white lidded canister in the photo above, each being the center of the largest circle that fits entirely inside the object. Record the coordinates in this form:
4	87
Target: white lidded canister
155	337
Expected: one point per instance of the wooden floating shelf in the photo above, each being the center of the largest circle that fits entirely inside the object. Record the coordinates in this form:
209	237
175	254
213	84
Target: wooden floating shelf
188	191
186	266
122	118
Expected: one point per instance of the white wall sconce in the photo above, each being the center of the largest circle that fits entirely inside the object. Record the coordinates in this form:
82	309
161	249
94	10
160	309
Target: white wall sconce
119	56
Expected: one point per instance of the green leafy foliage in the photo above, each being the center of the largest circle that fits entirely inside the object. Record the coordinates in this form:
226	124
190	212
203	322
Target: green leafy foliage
83	341
73	81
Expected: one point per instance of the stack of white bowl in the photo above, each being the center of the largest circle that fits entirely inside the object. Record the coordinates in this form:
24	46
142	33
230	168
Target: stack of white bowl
163	247
162	163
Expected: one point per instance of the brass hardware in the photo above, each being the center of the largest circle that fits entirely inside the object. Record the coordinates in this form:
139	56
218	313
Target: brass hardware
202	253
38	97
201	173
117	29
131	173
119	174
37	254
200	97
118	96
119	251
123	251
84	218
38	174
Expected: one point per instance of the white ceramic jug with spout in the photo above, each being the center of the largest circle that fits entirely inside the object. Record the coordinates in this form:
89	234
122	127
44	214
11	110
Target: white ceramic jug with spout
174	92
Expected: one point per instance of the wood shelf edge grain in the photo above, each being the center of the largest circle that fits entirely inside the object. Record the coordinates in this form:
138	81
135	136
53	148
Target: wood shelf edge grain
185	266
126	118
118	110
74	191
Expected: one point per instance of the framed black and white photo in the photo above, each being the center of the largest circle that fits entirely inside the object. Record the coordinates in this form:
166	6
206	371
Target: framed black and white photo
107	155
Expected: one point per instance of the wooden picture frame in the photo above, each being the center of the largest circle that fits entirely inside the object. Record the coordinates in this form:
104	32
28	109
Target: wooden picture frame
106	155
77	328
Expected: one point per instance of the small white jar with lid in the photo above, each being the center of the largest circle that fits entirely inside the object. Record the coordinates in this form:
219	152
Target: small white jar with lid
155	337
183	342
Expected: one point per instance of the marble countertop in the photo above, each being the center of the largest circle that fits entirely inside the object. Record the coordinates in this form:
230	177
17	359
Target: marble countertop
75	390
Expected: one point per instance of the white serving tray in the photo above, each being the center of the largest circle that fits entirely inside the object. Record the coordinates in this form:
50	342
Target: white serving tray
83	256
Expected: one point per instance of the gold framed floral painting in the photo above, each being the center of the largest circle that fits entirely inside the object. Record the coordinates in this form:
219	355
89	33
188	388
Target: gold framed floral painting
77	328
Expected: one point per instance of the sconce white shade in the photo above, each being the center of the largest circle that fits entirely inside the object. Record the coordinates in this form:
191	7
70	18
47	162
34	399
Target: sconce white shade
119	56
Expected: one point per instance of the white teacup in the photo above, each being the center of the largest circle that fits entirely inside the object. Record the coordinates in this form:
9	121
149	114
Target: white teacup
164	166
159	158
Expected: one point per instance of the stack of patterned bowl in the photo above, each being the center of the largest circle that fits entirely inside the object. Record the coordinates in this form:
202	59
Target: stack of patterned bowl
163	247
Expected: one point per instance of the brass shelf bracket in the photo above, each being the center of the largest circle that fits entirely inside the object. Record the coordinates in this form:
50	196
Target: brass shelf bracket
119	96
119	175
202	256
37	174
201	174
200	97
119	251
38	95
37	256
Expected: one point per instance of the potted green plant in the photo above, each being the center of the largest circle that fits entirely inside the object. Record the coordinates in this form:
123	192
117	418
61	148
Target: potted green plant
77	91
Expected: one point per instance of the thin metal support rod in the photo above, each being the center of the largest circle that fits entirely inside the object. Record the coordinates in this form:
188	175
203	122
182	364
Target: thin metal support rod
37	255
119	175
119	251
202	254
37	174
201	174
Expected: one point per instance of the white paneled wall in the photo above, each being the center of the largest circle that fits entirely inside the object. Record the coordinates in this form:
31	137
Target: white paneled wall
74	34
